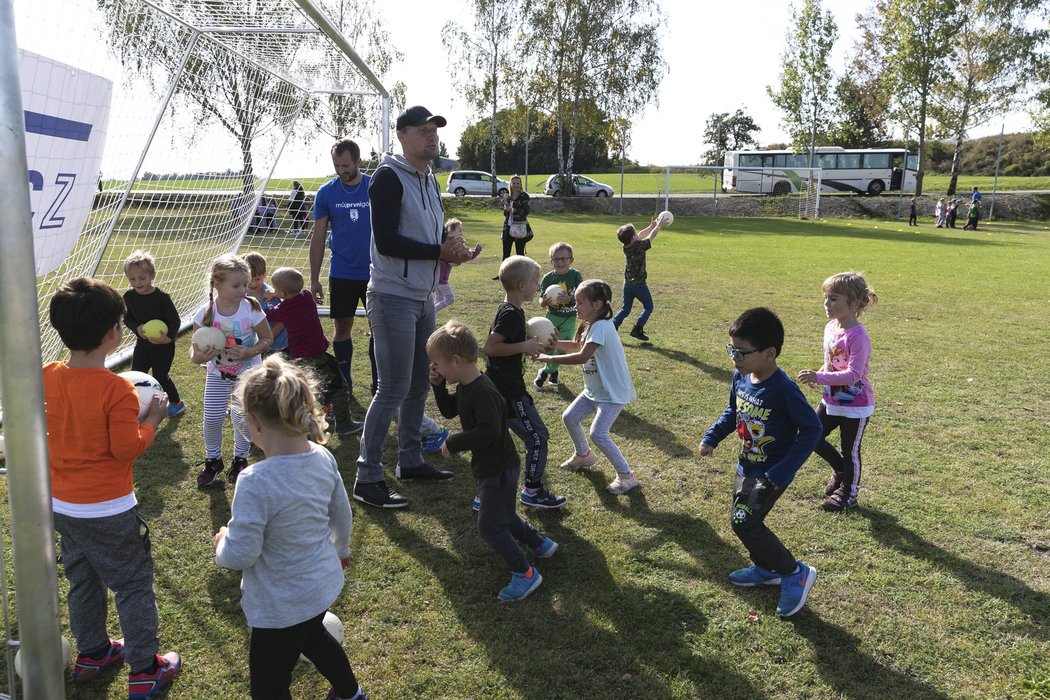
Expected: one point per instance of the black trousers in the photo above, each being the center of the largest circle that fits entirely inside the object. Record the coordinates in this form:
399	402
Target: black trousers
146	356
749	524
847	463
273	653
519	243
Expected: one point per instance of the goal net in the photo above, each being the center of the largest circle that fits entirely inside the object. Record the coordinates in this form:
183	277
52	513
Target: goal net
794	191
160	125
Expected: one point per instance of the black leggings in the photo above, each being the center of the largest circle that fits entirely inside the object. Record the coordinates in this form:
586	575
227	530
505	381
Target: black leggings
273	653
146	356
846	464
519	243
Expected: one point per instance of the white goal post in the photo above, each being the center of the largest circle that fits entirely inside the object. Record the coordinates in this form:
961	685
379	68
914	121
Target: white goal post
803	183
154	125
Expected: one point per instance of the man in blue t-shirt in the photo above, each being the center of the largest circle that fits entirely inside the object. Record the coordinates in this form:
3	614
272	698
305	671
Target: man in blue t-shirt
342	202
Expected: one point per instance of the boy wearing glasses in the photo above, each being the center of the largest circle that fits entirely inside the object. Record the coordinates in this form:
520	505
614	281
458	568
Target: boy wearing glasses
561	310
778	430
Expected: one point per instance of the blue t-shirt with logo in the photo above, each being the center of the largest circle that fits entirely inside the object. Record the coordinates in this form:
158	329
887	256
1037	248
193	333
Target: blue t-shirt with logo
349	220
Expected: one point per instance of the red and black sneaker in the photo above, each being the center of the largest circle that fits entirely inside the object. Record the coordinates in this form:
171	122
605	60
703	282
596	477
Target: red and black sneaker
212	468
239	465
87	668
152	683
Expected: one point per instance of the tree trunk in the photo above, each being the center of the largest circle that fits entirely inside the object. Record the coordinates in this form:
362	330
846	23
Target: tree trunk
957	157
492	155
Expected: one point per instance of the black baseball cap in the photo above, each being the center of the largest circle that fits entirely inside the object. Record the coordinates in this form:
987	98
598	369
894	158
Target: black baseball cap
418	116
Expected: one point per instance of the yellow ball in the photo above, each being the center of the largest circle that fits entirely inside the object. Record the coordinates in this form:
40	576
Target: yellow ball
155	329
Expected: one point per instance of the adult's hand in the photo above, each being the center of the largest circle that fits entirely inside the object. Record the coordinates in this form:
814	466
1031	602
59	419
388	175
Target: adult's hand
454	250
317	290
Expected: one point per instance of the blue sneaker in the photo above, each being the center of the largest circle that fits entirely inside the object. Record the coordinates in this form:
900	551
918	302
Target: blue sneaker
175	409
520	586
546	549
432	443
794	590
754	576
476	504
542	499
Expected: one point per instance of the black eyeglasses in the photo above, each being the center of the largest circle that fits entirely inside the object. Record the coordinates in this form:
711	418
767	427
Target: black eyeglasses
561	259
738	354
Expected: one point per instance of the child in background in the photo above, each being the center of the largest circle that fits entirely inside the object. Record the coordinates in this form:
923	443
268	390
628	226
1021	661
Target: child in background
562	310
264	294
973	215
939	213
953	212
144	302
453	352
912	213
248	336
778	430
291	544
296	317
607	385
94	437
634	274
505	347
848	399
443	295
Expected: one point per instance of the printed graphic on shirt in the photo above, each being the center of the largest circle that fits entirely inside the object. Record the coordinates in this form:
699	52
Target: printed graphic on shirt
751	420
838	362
228	367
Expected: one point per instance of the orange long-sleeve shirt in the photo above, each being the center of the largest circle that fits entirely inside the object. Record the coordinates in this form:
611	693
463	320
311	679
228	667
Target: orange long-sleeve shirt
93	433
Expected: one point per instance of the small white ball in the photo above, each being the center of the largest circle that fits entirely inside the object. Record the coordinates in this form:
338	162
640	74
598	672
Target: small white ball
540	327
67	657
666	218
552	292
146	386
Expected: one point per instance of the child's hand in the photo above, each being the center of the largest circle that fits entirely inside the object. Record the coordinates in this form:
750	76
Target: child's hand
807	377
201	356
344	562
444	451
237	353
219	537
706	450
534	346
553	340
157	409
435	377
545	359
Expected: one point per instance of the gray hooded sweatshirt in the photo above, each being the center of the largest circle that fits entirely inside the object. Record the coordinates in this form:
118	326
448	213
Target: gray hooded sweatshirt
407	229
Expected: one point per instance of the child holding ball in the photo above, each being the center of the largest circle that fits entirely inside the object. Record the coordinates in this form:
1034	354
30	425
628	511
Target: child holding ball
607	385
635	286
291	544
561	311
145	303
248	335
847	397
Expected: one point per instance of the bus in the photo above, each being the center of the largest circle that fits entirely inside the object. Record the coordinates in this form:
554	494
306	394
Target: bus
859	170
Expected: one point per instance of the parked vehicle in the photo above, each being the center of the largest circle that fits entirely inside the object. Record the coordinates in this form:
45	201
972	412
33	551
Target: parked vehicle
461	182
583	186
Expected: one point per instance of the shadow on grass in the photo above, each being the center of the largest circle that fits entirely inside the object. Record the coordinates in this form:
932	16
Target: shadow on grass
851	672
163	465
887	232
1035	604
592	634
632	426
718	373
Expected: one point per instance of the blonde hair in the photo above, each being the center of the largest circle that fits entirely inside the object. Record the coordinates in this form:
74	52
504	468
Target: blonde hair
453	222
852	286
282	395
454	338
560	245
256	263
221	268
594	290
288	280
516	269
140	258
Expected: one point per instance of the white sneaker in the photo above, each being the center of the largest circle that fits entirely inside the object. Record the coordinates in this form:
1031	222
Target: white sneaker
622	484
578	462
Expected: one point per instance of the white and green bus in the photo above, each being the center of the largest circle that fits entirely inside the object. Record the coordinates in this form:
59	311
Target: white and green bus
860	170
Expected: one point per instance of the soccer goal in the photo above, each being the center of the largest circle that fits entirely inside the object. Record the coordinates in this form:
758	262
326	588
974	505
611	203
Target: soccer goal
159	125
798	188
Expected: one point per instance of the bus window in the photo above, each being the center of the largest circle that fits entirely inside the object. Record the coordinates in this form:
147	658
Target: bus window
913	161
767	161
876	160
750	160
780	160
826	161
798	161
849	160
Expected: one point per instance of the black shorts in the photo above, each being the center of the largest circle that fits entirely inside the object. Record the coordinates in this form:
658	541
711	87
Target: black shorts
344	296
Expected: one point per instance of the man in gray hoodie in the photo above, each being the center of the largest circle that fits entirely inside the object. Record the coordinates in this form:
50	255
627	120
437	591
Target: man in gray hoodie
408	240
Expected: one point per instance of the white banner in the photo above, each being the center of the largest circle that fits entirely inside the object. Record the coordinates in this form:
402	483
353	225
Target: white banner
66	119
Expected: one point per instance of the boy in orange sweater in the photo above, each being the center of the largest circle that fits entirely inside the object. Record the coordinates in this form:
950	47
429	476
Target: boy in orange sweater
94	437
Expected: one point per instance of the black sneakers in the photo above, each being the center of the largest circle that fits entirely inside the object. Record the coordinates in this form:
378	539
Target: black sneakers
638	333
378	495
211	471
239	465
423	471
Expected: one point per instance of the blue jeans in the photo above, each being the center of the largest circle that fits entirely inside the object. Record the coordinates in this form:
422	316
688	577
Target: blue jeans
400	327
631	292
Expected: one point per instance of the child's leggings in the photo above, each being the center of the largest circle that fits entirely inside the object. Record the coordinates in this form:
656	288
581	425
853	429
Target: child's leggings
443	297
846	464
607	413
217	392
273	653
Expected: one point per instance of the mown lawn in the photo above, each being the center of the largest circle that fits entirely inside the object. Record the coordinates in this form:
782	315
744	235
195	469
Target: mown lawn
938	586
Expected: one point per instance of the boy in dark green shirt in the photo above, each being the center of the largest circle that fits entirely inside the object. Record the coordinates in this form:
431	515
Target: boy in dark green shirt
561	308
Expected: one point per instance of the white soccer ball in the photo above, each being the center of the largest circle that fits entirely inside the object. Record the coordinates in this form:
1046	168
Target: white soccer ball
209	337
67	657
552	292
335	628
666	218
146	386
540	327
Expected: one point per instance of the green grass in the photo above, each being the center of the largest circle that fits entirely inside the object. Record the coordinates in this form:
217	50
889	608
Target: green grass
937	587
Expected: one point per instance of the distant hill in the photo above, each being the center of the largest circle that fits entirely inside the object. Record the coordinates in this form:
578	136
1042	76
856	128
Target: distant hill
1020	156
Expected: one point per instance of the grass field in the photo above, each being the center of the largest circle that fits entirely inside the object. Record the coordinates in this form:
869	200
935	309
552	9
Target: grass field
634	183
938	586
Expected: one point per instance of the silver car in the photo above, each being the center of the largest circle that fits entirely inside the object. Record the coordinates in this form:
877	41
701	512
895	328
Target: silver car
461	182
583	186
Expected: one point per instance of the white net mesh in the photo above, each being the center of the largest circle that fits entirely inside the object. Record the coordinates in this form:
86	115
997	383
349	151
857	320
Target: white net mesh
191	177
